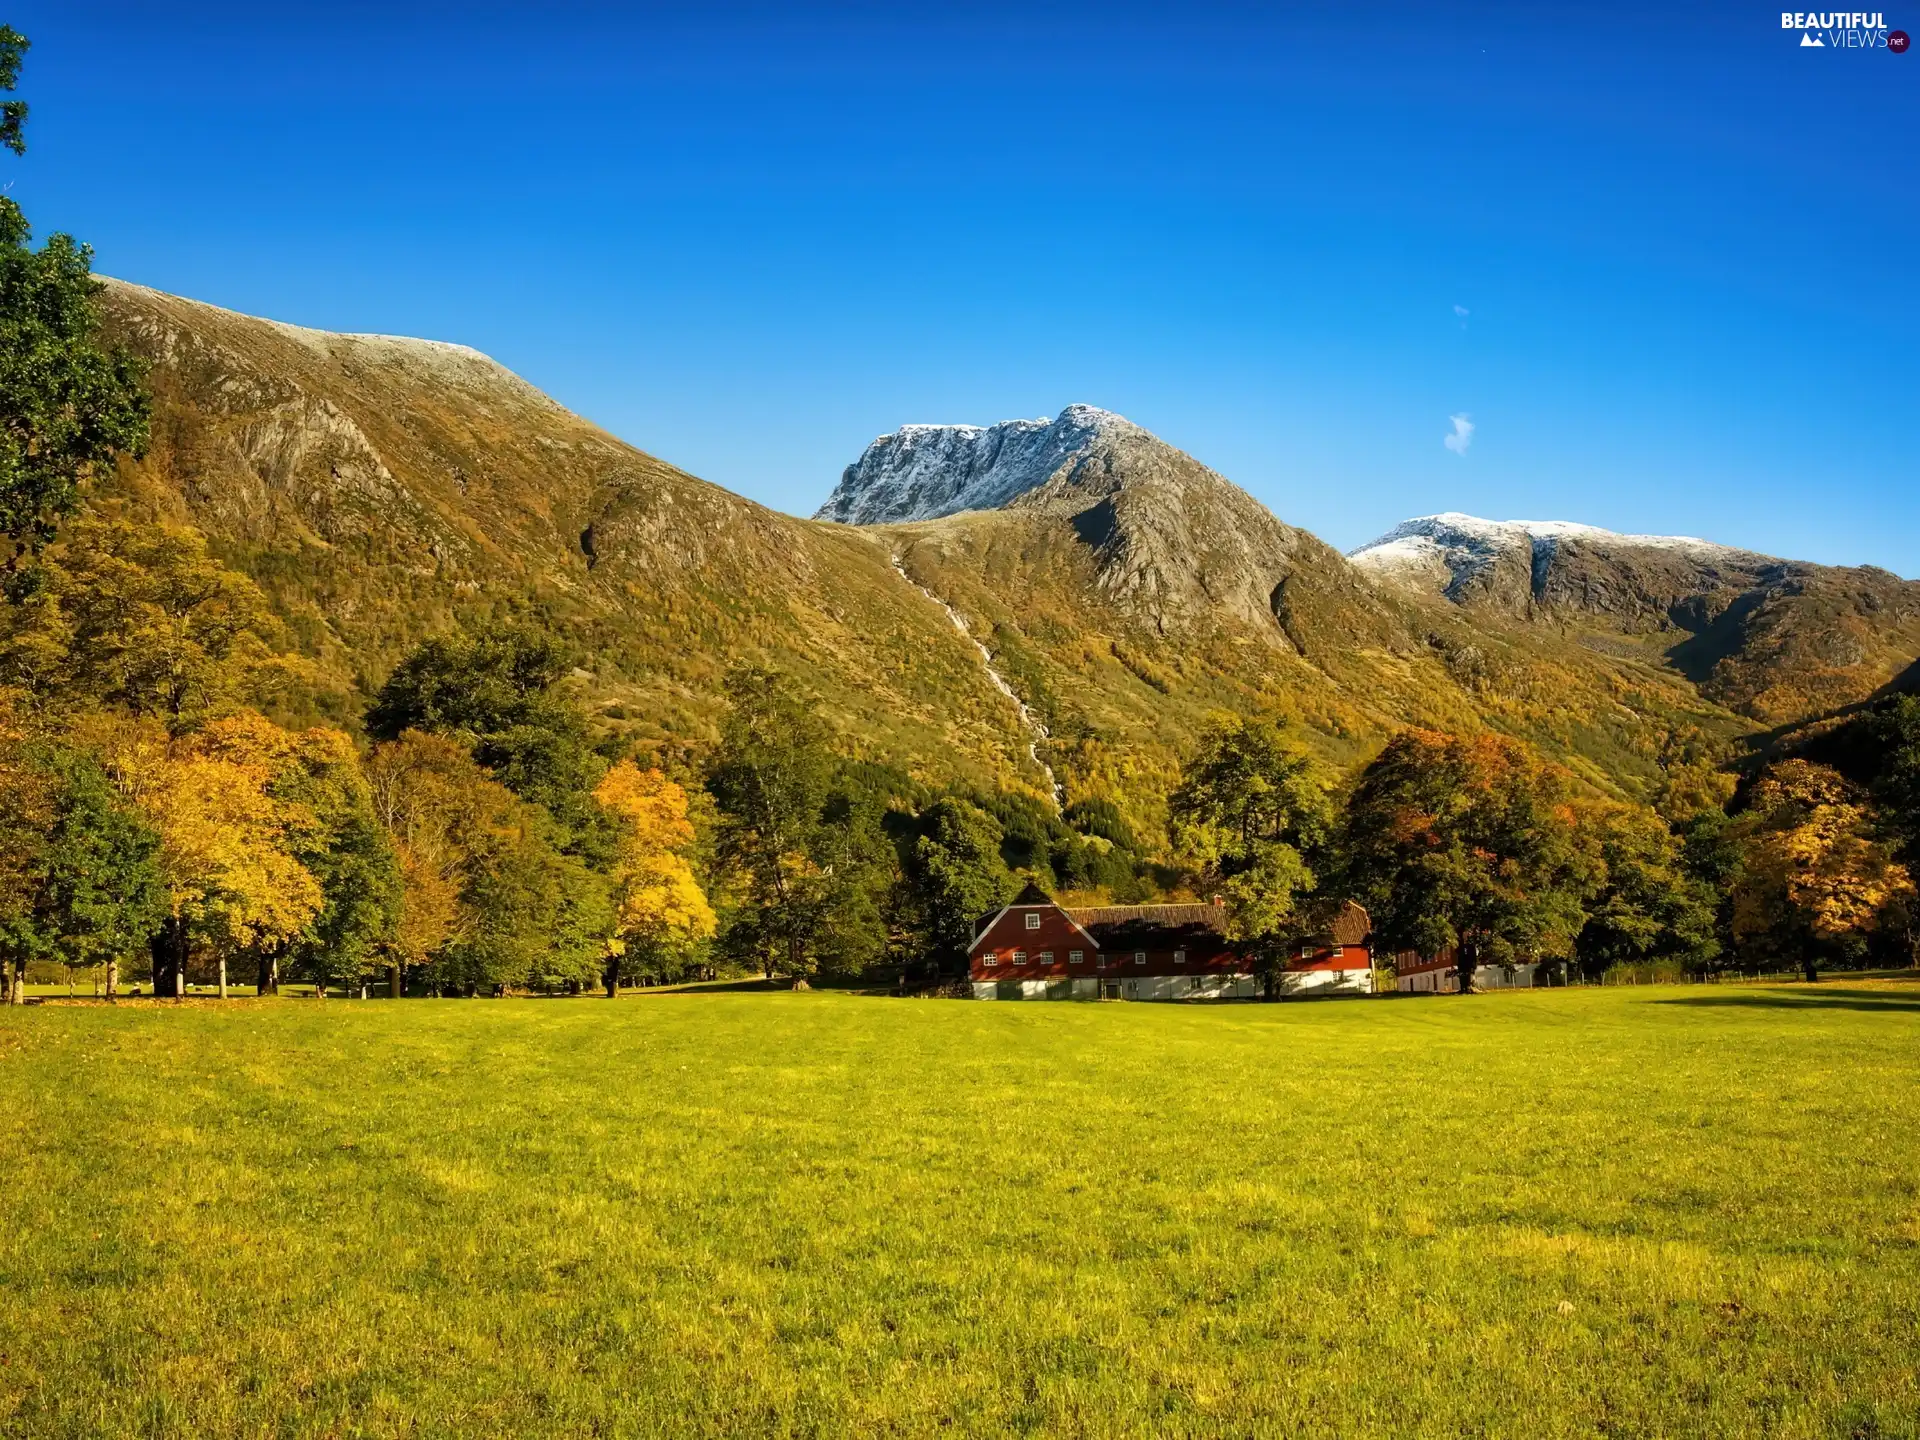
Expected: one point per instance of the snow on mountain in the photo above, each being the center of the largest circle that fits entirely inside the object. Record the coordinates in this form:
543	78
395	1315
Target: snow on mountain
921	472
1451	550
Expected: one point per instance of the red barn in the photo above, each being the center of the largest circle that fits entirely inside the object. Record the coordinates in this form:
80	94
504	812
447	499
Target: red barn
1033	949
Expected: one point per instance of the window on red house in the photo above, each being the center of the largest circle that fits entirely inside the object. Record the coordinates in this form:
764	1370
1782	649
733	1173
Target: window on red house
1019	957
989	958
1046	957
1139	957
1075	957
1033	920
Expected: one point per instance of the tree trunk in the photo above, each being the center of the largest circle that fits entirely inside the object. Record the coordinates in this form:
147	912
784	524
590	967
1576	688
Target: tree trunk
17	983
1811	969
113	979
396	981
169	950
612	977
223	977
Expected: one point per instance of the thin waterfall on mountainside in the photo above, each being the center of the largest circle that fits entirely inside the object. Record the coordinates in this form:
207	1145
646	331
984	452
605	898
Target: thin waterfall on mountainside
1036	728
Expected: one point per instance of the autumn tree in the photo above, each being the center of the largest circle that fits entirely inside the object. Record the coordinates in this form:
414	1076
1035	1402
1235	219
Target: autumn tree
500	689
27	805
68	405
142	617
1465	844
659	908
1252	813
440	809
229	844
1816	879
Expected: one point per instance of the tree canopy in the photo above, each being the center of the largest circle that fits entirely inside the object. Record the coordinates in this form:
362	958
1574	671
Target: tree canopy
68	405
1465	844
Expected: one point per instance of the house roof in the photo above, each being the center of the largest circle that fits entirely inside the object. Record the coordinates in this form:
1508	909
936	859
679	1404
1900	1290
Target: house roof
1031	894
1172	927
1152	927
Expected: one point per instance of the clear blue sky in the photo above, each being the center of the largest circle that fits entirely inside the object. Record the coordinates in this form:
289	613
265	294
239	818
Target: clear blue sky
750	239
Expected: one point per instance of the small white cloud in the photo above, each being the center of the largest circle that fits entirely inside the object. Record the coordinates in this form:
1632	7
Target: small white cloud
1462	311
1462	435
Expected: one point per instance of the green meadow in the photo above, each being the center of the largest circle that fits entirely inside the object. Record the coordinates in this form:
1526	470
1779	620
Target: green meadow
1649	1211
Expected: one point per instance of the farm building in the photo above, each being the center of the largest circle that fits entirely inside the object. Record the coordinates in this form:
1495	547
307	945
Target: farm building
1439	975
1034	949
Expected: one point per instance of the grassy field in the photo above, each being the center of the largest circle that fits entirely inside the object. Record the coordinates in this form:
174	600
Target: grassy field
1641	1211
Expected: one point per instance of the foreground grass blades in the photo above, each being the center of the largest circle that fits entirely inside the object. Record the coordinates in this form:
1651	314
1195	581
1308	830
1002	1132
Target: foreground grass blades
1635	1212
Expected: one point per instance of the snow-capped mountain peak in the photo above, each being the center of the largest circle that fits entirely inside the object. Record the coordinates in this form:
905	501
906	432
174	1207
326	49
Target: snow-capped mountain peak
920	472
1462	545
1519	563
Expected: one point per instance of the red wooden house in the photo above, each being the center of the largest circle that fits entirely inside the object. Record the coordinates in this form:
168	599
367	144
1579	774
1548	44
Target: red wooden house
1034	949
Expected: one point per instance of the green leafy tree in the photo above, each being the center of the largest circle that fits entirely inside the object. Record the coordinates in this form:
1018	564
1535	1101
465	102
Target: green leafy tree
1891	736
805	854
500	689
957	875
344	847
859	870
534	916
67	405
1465	844
1251	810
1644	905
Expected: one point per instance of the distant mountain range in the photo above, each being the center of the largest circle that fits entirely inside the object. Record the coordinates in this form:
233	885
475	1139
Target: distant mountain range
383	489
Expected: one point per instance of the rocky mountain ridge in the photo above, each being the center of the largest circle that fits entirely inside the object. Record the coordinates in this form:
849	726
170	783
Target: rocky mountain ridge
921	472
1775	639
1081	631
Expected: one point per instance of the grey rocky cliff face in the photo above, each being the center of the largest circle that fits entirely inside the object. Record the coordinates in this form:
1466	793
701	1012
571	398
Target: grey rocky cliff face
1175	544
1524	566
921	472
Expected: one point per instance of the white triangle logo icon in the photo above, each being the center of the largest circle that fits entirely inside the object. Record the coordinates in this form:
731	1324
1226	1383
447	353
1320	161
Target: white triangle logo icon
1807	42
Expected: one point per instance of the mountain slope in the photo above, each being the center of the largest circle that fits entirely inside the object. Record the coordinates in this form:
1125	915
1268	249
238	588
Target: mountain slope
381	490
1773	639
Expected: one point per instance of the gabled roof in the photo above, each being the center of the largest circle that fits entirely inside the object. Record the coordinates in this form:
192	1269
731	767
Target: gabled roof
1030	896
1152	927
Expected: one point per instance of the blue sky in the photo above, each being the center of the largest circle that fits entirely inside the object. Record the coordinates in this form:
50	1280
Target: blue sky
749	239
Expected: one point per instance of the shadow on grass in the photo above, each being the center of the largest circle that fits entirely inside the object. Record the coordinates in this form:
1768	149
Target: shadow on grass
1813	997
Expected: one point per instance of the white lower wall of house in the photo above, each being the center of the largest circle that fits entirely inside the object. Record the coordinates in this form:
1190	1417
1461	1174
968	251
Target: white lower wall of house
1486	977
1301	982
1176	987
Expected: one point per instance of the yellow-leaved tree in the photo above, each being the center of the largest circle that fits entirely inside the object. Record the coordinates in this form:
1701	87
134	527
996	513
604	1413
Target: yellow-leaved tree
228	844
1816	881
661	909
